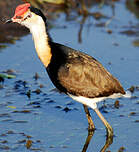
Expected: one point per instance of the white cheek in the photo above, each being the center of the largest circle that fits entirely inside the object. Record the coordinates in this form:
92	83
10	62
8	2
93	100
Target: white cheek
26	24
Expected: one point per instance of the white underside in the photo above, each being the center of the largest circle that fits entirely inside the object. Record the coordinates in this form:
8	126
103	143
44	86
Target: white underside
92	102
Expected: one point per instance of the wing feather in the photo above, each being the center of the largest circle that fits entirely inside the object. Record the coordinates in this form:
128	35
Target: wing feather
83	75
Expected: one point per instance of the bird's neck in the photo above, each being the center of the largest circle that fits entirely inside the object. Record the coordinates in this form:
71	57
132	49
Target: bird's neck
41	40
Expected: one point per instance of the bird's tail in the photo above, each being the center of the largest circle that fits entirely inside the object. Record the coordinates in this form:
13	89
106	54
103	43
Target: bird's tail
127	94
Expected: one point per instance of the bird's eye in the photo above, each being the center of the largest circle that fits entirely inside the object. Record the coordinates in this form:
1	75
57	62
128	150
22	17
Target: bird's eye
19	17
29	15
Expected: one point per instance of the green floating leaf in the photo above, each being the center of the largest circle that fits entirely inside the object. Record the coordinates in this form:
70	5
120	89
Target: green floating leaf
136	43
3	46
55	1
8	76
12	107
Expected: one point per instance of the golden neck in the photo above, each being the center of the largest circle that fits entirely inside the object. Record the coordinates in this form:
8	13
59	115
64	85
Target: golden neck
40	38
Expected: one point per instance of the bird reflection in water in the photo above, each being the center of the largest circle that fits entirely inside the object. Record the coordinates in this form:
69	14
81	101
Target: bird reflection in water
108	142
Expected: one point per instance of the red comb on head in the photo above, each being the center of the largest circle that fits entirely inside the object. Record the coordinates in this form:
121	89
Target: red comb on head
21	9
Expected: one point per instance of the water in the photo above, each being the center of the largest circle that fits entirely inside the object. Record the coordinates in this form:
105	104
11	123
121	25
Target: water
53	121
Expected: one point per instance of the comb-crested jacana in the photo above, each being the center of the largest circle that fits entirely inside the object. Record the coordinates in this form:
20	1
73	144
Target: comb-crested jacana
75	73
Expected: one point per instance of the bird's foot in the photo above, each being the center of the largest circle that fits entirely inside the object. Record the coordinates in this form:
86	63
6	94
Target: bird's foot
91	128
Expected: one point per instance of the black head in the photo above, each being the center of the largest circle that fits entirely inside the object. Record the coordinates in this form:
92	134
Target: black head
38	12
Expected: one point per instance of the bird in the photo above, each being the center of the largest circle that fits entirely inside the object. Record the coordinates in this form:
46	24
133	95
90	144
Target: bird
77	74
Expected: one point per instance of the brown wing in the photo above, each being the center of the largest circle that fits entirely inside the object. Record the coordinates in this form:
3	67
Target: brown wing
85	76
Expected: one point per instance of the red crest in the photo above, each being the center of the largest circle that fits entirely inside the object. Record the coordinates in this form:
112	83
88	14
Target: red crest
21	9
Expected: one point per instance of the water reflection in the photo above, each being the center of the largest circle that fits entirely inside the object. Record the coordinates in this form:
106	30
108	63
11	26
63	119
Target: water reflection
133	6
108	142
88	139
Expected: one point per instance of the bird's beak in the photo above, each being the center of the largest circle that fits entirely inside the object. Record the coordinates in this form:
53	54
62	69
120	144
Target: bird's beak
9	21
